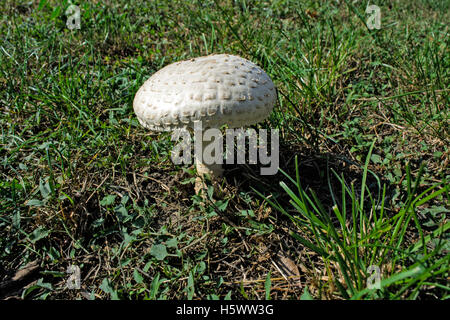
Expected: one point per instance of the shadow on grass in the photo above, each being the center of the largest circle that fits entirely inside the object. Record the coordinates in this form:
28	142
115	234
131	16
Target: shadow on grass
317	173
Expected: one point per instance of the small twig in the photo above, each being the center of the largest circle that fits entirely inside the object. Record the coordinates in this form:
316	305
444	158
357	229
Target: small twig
98	187
279	270
156	180
248	282
194	242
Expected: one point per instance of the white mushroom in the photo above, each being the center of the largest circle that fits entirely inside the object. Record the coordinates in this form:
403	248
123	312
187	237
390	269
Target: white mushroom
215	89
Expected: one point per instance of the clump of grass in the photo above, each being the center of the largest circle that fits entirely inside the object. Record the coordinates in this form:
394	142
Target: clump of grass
360	235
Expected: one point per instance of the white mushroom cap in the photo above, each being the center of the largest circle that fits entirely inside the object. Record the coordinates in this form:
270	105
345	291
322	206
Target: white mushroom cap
216	89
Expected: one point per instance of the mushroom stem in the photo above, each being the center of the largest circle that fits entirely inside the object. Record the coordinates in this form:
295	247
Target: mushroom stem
214	170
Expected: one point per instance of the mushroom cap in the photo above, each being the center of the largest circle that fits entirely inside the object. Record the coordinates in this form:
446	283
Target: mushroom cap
215	89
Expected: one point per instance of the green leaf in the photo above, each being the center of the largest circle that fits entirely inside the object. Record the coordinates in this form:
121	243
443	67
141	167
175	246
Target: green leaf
44	285
108	200
125	262
190	286
15	219
122	214
35	203
159	251
154	287
53	254
375	158
306	295
268	285
137	276
222	205
97	223
147	266
55	12
44	189
38	234
401	276
42	3
437	154
210	192
107	288
172	243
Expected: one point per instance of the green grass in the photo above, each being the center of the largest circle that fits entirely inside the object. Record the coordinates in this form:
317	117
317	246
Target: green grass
364	133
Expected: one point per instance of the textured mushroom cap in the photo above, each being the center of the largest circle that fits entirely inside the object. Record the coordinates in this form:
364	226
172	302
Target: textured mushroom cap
216	89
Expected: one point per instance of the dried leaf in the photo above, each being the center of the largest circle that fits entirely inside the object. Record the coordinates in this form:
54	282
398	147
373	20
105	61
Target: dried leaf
286	265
